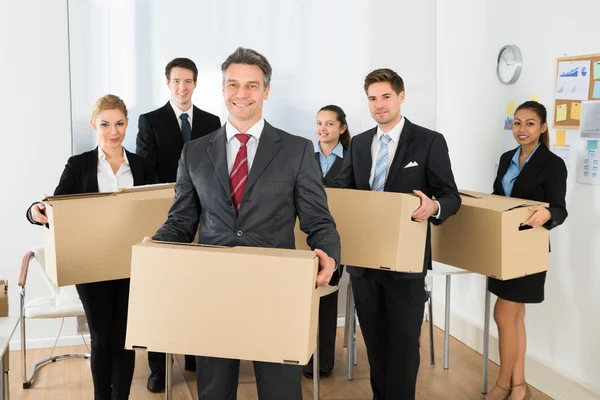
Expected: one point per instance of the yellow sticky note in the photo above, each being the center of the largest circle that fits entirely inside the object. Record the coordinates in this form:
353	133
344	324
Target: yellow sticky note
535	97
561	112
561	138
510	108
576	111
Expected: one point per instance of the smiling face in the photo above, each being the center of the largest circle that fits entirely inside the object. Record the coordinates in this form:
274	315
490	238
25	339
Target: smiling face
110	127
181	84
384	104
527	127
329	128
244	92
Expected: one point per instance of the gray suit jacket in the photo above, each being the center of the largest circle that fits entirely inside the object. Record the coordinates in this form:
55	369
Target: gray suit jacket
284	182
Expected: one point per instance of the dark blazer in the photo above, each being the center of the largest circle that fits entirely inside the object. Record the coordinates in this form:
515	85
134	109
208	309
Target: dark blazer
284	182
159	138
333	170
81	175
433	175
543	178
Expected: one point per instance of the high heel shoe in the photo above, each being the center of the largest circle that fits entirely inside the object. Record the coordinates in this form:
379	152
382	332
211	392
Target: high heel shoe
505	389
528	394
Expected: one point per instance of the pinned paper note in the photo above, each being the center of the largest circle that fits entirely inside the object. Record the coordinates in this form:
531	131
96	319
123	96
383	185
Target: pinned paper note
535	97
576	111
596	93
597	70
510	108
561	112
592	145
561	138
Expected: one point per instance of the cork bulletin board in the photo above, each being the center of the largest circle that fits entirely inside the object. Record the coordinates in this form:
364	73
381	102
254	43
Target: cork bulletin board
577	80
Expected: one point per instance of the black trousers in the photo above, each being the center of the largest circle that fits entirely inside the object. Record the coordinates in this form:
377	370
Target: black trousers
217	379
158	362
390	312
328	313
105	304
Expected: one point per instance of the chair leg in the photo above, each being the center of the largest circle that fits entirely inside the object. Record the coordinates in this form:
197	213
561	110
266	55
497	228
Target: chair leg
26	384
431	345
351	340
347	318
316	370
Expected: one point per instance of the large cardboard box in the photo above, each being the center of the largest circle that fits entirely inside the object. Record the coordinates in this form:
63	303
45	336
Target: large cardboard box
242	302
485	236
89	236
376	229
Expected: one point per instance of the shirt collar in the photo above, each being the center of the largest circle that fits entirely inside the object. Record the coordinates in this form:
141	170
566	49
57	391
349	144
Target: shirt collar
178	112
102	155
254	131
337	150
515	159
394	133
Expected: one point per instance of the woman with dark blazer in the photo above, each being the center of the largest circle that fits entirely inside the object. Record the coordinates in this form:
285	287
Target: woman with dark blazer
107	168
333	140
533	172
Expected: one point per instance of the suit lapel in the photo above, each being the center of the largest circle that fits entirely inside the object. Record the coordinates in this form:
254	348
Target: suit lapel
534	166
90	180
172	125
334	169
196	123
405	136
217	152
502	168
268	145
137	170
363	168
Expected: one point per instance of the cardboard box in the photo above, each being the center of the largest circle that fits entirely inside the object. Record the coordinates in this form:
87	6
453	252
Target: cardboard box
89	236
485	237
241	303
376	229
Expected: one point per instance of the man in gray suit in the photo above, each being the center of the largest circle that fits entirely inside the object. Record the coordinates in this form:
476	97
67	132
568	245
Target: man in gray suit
245	184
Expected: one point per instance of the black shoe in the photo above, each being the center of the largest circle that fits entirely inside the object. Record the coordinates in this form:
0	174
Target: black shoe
156	382
190	363
322	374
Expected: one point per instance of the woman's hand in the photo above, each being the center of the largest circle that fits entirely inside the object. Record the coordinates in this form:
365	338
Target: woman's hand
539	217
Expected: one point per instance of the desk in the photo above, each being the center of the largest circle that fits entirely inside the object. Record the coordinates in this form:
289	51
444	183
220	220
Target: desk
8	325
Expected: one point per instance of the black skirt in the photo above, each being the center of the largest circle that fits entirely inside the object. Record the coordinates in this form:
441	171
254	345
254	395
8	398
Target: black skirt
528	289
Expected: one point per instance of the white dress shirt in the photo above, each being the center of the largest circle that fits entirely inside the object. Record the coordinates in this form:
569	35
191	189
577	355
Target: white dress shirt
394	135
178	112
233	145
108	181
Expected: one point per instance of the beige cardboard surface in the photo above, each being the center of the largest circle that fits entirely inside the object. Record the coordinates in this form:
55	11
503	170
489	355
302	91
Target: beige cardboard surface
241	302
89	237
376	230
484	237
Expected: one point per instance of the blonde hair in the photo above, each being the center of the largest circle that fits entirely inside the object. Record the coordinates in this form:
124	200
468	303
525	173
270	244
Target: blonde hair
108	102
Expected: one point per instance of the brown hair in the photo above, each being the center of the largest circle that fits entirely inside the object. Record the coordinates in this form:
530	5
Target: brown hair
385	75
542	114
185	63
108	102
341	117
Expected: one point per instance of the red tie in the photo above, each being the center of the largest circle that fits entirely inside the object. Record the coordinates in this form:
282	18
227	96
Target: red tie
239	172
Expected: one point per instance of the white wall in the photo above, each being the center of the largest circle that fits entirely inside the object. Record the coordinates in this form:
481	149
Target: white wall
562	331
36	132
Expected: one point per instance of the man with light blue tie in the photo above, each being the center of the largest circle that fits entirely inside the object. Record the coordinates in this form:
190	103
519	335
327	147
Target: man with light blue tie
396	156
162	134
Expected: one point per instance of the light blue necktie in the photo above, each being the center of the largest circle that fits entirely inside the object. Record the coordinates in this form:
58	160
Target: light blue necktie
381	166
186	128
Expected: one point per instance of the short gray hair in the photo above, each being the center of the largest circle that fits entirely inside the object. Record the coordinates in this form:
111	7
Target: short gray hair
249	57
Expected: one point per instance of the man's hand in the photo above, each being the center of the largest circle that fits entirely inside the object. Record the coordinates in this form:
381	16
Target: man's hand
326	268
539	217
147	239
38	213
427	208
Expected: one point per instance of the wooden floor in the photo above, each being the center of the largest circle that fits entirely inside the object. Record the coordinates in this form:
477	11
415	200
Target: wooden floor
71	380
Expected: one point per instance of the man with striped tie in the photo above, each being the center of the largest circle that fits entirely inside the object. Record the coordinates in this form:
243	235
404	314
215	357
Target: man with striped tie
245	185
396	156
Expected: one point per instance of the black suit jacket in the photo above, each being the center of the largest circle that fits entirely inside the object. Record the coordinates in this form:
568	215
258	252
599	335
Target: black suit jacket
335	169
159	138
543	178
81	175
284	183
433	175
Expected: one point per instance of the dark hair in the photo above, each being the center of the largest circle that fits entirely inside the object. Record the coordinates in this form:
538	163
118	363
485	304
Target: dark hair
341	117
540	111
385	75
185	63
242	55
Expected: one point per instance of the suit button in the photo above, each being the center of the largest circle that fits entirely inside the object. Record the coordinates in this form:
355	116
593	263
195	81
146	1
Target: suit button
239	233
229	203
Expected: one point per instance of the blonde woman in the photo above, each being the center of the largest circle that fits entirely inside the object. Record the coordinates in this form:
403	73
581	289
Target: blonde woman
107	168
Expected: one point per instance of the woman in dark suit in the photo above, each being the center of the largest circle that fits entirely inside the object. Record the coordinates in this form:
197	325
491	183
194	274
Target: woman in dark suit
107	168
533	172
334	139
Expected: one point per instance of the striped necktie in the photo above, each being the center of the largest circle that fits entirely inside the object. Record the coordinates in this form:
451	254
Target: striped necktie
239	172
381	166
